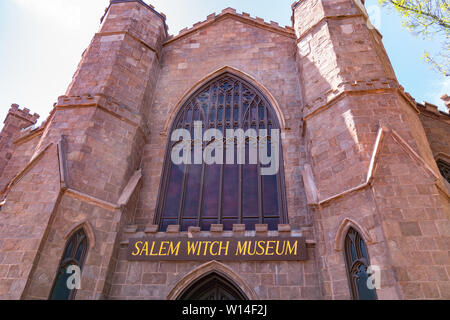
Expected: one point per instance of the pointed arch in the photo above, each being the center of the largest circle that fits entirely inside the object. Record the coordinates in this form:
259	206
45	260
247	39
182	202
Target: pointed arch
341	233
72	261
227	69
194	193
86	226
209	268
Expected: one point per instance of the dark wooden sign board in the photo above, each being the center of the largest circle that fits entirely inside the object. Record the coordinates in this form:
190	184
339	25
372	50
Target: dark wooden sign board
219	249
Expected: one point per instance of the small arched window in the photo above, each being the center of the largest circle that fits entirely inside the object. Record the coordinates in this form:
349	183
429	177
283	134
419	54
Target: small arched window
444	168
201	195
73	256
357	262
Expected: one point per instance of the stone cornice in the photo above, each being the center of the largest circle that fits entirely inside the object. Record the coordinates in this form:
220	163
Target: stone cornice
134	37
106	104
313	193
432	111
329	98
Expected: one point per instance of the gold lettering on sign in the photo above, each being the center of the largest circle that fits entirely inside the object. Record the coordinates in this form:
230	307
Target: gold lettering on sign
220	249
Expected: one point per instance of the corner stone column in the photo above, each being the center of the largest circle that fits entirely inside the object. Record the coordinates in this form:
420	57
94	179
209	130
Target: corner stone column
350	92
104	112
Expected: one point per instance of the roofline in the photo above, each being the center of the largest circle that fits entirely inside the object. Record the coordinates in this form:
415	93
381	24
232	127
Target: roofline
231	13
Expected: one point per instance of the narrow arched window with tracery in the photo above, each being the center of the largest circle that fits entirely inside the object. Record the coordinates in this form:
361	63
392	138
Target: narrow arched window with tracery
205	194
71	262
357	262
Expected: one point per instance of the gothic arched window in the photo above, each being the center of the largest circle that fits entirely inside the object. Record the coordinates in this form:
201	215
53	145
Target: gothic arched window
73	256
212	287
357	261
444	168
205	194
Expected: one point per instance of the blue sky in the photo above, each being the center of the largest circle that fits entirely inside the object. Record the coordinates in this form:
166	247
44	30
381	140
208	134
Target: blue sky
41	43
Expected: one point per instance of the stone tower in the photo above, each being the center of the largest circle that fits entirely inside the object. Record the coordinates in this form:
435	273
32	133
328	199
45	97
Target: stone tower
370	165
16	121
358	154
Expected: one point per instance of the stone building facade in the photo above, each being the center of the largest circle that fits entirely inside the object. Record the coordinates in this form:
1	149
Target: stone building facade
360	157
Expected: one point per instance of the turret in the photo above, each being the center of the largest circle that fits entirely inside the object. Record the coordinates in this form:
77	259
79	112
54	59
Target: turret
15	121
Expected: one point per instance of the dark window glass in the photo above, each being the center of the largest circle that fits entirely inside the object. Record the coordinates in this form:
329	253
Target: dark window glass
444	168
211	191
357	262
191	201
201	195
74	255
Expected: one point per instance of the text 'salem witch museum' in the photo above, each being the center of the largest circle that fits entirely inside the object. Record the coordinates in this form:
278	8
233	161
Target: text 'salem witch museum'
361	194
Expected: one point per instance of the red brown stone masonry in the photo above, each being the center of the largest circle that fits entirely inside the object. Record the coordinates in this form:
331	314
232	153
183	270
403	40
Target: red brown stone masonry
361	149
16	120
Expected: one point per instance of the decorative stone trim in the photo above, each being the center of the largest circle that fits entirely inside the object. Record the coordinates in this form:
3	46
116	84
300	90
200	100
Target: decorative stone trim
216	228
108	105
30	164
244	17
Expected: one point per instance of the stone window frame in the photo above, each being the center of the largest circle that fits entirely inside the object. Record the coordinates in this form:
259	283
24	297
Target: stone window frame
354	259
77	238
444	168
271	116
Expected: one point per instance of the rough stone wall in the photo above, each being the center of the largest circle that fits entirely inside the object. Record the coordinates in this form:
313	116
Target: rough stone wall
287	280
15	121
437	129
25	216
